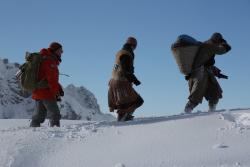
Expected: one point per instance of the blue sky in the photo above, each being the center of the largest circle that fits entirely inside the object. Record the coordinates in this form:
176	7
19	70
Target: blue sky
93	31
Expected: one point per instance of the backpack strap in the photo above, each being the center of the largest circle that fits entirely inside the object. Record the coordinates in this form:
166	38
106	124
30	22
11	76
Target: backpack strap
193	68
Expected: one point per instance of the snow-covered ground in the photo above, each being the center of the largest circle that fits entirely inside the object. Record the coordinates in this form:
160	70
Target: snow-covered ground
219	139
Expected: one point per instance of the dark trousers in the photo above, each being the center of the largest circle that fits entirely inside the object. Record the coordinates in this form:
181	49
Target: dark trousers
46	108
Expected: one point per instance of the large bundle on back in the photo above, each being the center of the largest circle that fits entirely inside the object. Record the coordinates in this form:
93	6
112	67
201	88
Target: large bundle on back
185	50
28	73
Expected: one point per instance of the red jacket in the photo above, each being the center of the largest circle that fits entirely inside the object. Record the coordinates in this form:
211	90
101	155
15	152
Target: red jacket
48	71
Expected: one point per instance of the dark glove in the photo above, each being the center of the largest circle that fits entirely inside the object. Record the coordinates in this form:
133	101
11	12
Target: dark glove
58	98
216	71
222	76
132	78
187	77
61	92
136	82
228	47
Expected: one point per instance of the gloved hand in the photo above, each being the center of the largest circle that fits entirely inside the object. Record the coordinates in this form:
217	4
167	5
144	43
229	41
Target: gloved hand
61	92
228	47
132	78
216	71
58	98
187	77
136	82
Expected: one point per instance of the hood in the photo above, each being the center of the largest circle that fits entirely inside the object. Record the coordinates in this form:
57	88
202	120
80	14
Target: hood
47	53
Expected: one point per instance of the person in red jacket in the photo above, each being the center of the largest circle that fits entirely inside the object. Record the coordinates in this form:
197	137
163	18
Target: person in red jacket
46	98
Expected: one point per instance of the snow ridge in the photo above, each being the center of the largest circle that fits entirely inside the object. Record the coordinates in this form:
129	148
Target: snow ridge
214	139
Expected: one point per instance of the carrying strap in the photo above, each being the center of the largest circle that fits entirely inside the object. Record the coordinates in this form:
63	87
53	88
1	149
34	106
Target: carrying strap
195	60
193	68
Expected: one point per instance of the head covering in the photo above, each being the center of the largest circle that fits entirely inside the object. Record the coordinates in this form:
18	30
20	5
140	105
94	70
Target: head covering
131	41
216	37
55	46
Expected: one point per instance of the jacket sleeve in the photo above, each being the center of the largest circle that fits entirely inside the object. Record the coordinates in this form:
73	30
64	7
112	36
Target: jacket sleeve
128	68
218	49
126	64
52	76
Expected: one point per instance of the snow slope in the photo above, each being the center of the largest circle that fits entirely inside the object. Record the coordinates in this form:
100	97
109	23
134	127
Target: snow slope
78	102
219	139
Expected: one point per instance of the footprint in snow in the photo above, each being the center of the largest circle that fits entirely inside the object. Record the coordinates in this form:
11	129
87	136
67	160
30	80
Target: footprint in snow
119	165
217	146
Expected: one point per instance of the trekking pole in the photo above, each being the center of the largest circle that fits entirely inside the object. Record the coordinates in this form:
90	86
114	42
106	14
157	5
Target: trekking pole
64	75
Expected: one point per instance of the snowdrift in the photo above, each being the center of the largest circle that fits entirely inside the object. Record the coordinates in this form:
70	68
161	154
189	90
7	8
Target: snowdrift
217	139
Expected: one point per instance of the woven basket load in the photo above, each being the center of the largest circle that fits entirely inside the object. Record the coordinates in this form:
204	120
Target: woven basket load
184	51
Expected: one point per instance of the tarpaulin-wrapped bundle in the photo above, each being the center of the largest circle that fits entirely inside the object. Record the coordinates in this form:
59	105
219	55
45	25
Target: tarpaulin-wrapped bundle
185	50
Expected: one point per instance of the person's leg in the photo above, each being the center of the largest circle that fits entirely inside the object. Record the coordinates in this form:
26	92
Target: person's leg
39	115
212	104
190	106
53	112
121	115
138	103
127	114
197	89
111	99
213	94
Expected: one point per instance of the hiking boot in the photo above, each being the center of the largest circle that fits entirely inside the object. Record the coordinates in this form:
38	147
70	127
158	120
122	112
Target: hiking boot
129	117
212	108
188	110
122	117
212	105
189	107
119	117
34	124
53	123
